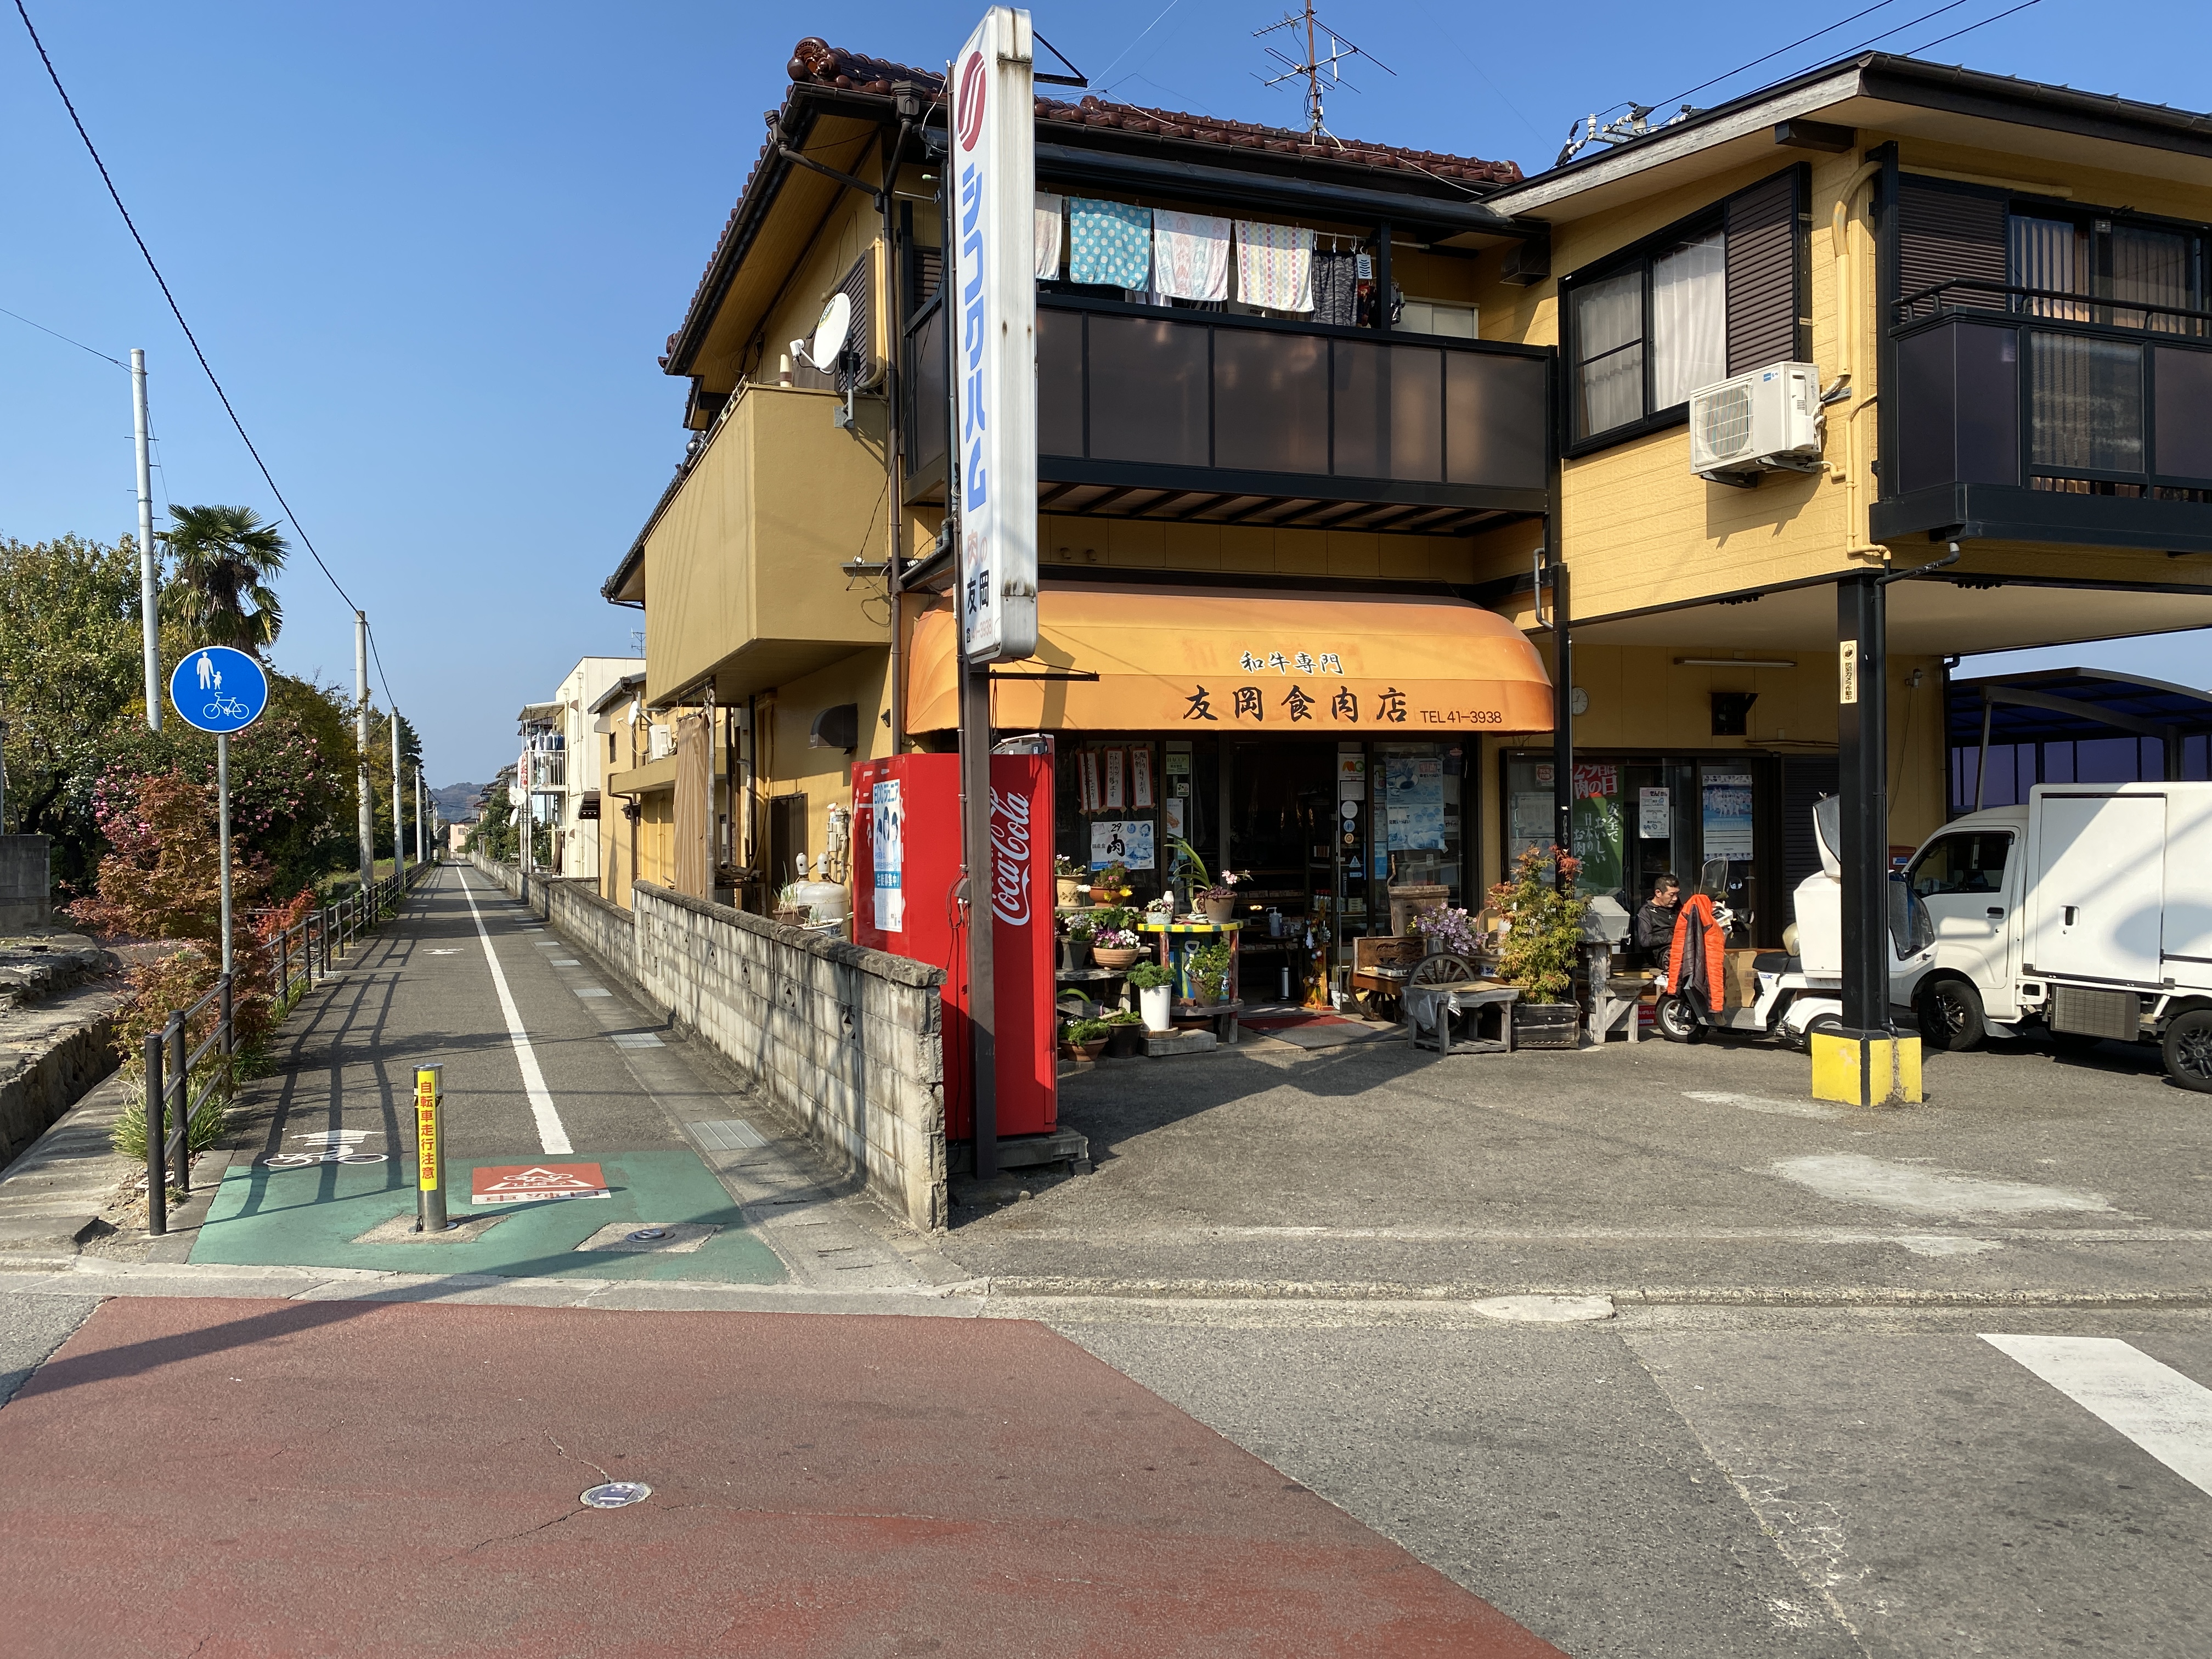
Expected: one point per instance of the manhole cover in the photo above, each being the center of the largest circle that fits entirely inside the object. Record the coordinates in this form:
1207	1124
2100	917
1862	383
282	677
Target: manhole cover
648	1235
617	1494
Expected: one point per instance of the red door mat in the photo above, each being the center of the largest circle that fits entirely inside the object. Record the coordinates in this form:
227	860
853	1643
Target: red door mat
532	1183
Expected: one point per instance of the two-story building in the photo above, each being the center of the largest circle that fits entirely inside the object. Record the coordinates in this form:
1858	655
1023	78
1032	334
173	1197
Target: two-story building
1321	425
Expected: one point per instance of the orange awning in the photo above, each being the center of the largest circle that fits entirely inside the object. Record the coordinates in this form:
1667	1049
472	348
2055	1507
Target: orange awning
1220	659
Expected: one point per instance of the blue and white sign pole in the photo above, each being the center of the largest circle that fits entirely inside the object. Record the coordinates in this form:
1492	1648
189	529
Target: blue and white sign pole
219	690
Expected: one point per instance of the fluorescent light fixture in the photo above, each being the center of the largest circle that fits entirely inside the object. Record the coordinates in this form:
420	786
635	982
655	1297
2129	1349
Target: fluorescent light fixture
1734	662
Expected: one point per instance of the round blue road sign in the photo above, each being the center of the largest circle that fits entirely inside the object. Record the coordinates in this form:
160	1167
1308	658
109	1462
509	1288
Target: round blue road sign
218	689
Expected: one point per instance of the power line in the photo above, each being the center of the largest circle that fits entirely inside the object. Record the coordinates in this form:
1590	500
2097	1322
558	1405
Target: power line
1778	51
1901	27
1970	27
58	335
175	310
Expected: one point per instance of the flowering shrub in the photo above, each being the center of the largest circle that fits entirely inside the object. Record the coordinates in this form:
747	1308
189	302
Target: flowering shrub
1544	940
1114	939
1447	929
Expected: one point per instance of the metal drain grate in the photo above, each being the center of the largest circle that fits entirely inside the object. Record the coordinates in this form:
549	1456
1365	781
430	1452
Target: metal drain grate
729	1134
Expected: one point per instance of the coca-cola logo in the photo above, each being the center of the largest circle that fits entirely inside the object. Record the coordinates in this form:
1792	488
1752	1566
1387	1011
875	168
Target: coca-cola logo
971	100
1009	859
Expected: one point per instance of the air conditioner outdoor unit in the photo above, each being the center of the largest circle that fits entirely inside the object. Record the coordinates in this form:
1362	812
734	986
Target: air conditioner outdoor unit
1766	420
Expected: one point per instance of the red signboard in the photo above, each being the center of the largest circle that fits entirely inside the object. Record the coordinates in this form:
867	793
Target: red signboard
906	871
534	1183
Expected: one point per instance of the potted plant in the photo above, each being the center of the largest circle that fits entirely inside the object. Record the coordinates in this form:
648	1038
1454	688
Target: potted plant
1449	930
1085	1039
1075	935
1113	941
1111	885
1542	943
1214	900
1154	983
1209	972
1125	1035
1067	881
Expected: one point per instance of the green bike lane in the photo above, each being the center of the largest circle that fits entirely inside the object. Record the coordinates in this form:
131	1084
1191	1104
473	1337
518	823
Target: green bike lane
588	1085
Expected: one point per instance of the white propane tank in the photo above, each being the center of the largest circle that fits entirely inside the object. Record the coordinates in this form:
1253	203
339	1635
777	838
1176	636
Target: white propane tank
825	900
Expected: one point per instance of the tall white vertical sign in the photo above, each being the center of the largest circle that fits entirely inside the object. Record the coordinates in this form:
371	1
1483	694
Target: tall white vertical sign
994	334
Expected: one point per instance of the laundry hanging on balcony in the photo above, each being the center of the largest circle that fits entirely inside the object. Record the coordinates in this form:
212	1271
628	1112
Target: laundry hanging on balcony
1110	244
1190	255
1050	207
1274	265
1336	289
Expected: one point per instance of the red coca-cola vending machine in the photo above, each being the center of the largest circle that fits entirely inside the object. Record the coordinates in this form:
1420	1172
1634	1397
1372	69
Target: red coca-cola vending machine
906	879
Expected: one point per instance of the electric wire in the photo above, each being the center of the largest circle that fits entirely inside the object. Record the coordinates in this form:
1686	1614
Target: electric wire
1970	27
58	335
175	310
1778	51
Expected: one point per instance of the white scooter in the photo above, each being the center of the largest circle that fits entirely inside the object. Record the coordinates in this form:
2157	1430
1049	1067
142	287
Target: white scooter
1790	993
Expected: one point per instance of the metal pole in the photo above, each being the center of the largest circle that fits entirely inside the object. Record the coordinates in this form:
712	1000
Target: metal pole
179	1082
398	807
430	1150
1981	771
367	816
1862	727
149	620
1563	714
222	823
157	1155
975	857
418	816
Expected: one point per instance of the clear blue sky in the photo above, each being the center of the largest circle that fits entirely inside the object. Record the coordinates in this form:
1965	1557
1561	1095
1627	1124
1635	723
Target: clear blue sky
434	251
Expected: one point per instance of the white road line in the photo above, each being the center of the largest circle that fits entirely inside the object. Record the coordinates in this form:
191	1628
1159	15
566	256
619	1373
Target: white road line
2166	1413
551	1134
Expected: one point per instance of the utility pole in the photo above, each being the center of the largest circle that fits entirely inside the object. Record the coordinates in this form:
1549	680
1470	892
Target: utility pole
419	854
148	595
367	813
399	805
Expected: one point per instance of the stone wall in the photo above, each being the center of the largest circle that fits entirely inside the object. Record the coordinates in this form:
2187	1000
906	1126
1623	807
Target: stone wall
848	1041
26	884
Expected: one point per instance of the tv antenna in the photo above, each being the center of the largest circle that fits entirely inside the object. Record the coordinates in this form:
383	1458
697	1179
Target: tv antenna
1314	68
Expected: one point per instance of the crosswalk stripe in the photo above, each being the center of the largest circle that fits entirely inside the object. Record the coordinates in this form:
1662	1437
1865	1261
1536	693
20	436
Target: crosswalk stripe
2168	1415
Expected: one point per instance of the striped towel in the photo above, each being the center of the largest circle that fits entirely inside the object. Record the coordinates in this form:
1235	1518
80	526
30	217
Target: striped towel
1274	265
1190	255
1049	206
1109	243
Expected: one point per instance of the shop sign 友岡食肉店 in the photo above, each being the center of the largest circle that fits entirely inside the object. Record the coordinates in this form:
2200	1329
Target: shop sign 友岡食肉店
1341	705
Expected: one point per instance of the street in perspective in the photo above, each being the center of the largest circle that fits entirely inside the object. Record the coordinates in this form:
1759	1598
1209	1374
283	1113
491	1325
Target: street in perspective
1303	894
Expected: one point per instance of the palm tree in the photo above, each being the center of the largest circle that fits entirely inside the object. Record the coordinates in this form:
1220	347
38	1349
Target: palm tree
220	589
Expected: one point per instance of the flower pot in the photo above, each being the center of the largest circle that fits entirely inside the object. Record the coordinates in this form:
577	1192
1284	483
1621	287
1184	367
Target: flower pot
1156	1003
1125	1042
1217	911
1086	1051
1069	890
1546	1025
1118	961
1074	955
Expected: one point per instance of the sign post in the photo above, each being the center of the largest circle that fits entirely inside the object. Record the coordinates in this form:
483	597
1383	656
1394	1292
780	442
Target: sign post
430	1150
219	690
992	184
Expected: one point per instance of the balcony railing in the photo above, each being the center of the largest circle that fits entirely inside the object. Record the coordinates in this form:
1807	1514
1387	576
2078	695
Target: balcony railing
2101	407
1216	418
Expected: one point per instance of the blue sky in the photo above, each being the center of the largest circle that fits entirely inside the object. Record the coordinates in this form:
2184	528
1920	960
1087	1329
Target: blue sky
434	251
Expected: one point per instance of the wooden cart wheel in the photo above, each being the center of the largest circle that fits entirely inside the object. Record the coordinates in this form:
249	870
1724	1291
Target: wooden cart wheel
1441	968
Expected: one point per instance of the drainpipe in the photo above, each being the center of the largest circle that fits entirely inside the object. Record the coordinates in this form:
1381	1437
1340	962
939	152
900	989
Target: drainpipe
1562	717
1847	343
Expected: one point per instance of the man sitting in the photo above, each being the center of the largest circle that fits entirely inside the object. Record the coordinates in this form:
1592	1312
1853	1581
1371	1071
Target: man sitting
1654	922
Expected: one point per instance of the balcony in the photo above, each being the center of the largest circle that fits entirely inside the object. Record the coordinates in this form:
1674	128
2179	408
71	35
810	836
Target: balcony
2026	415
1206	417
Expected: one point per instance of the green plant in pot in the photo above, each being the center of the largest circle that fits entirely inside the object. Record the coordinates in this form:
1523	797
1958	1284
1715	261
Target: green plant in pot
1208	971
1125	1034
1154	984
1542	945
1214	900
1085	1039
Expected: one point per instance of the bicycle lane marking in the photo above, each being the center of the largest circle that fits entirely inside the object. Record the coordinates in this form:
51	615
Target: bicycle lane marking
551	1136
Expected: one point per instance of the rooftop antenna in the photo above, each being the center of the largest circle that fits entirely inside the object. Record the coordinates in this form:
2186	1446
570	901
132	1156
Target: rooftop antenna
1314	68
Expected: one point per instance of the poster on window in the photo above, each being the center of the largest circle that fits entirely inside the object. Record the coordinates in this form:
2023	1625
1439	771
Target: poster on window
1413	803
1086	775
890	856
1727	801
1141	778
1173	808
1114	797
1654	814
1598	842
1532	820
1128	841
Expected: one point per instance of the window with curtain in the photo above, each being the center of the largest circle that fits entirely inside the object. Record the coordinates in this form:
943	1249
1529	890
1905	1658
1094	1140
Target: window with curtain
2109	263
1649	333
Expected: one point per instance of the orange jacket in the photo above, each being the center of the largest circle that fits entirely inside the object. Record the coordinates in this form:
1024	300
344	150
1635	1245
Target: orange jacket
1697	965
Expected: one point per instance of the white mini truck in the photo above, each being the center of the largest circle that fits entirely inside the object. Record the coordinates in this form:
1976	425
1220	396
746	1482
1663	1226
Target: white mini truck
2087	911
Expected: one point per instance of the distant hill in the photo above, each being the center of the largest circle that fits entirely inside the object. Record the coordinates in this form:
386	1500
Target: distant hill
457	802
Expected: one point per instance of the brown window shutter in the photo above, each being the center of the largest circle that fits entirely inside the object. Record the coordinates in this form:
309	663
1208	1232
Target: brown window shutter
928	266
1762	274
1943	233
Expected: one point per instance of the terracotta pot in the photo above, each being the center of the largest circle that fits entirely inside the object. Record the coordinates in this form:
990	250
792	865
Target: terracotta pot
1116	961
1089	1050
1217	911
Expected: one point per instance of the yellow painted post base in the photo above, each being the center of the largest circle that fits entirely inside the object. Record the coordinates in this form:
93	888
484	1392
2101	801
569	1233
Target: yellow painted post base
1866	1071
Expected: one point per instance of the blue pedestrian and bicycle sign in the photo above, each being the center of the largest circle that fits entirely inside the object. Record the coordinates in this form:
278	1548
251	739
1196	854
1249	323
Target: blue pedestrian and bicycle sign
218	689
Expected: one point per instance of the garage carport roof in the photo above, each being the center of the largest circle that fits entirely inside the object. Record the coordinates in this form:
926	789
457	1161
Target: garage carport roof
2057	704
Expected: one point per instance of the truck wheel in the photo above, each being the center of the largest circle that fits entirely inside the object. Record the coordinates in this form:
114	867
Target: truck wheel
1676	1020
1950	1013
2188	1048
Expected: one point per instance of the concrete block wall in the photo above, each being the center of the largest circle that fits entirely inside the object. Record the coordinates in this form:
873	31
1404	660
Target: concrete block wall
848	1042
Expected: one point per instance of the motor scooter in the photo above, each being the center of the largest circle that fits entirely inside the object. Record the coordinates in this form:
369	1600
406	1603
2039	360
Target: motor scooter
1790	993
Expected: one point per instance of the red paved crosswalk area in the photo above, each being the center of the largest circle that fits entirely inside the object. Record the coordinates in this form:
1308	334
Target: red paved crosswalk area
225	1477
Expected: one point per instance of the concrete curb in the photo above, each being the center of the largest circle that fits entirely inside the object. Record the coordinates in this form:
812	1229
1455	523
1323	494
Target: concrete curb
52	1197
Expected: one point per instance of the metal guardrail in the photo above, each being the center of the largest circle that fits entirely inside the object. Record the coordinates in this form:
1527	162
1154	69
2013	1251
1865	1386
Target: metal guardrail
303	952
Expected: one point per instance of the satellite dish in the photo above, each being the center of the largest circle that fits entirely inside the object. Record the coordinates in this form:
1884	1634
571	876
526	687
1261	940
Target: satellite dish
829	333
